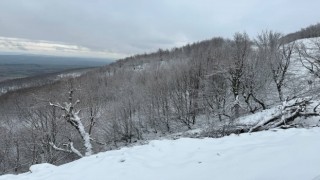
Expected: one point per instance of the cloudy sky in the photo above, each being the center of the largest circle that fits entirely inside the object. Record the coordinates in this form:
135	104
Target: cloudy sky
118	28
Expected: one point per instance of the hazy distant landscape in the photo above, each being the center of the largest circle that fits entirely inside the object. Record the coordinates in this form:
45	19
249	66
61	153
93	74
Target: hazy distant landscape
20	66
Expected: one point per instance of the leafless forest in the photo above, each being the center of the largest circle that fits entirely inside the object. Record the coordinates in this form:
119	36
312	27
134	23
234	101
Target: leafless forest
208	84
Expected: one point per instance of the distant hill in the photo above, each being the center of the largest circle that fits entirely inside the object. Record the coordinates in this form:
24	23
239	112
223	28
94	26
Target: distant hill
308	32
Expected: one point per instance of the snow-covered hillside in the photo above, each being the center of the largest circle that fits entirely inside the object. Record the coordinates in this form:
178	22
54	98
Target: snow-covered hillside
277	154
300	81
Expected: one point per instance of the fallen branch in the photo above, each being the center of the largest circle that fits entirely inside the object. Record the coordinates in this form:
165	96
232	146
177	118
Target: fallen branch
287	113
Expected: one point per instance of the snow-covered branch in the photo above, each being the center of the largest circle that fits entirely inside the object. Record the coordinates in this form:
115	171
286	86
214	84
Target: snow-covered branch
72	117
288	111
74	150
71	149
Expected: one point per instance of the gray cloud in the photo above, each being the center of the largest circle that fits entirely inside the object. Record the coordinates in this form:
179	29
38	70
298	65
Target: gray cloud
18	45
129	27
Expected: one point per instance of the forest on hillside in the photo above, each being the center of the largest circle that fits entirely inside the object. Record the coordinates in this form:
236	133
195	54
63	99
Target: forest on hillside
208	84
308	32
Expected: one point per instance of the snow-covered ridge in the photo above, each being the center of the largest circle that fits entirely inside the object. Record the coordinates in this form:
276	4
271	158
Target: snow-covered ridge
16	84
284	154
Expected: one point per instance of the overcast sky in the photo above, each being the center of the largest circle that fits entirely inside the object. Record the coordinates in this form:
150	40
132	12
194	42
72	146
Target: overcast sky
117	28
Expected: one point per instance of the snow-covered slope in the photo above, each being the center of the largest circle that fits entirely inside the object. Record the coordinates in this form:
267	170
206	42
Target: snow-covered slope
300	82
278	154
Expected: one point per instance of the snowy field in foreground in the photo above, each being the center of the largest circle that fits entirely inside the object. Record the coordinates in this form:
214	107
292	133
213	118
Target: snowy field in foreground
285	154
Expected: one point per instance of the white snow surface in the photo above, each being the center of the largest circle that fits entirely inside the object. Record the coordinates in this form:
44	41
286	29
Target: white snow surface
278	154
256	118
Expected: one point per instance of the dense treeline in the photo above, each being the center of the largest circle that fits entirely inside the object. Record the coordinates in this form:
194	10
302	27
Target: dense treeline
308	32
208	84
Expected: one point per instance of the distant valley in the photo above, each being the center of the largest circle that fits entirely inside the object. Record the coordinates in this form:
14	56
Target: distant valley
21	66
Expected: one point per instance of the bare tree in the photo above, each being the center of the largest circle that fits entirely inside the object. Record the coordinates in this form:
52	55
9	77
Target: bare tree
241	49
72	117
216	93
310	56
254	83
277	54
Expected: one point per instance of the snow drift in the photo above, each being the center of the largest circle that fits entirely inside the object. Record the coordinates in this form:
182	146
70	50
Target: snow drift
276	154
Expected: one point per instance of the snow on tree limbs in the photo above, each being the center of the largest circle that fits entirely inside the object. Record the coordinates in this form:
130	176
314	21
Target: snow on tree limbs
72	117
287	112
